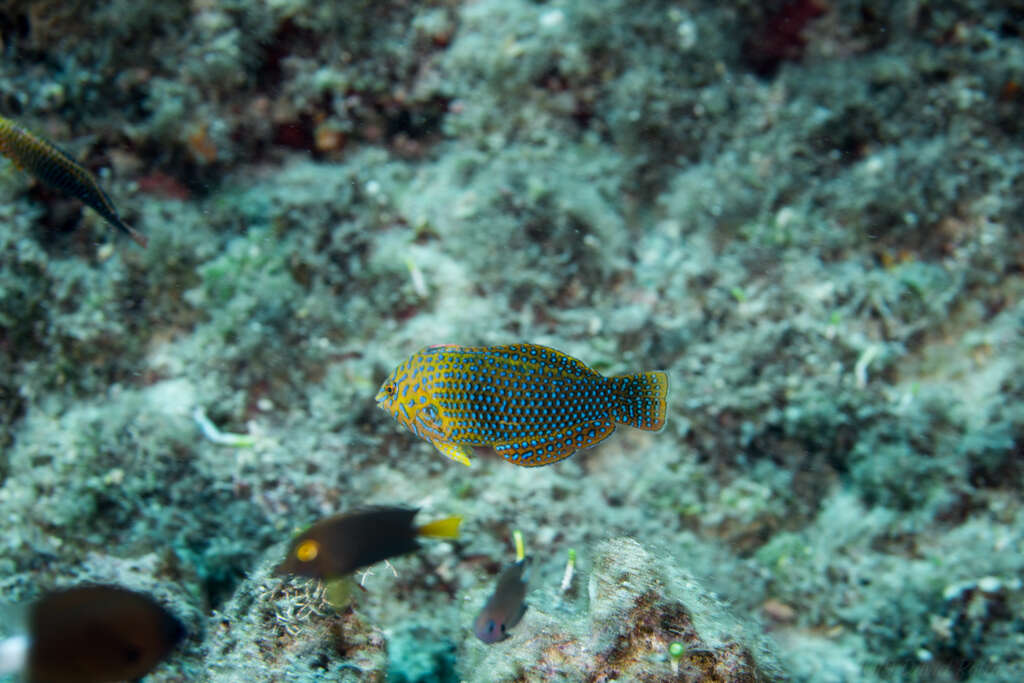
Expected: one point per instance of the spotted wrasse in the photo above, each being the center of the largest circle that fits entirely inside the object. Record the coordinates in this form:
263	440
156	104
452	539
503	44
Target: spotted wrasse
57	169
532	404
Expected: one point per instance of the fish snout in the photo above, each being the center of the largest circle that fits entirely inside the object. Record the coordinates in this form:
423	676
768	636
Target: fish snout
488	630
386	393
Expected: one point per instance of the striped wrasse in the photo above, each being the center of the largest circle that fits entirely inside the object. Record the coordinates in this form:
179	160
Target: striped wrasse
57	169
532	404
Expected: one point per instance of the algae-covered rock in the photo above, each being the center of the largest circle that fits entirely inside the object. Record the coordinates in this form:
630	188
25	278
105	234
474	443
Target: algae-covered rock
277	630
637	605
807	213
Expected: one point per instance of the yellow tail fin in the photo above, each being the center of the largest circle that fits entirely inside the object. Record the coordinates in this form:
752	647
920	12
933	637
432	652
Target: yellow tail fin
442	528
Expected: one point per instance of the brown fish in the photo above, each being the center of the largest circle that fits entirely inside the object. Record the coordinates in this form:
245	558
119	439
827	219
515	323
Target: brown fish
56	168
91	634
338	545
506	606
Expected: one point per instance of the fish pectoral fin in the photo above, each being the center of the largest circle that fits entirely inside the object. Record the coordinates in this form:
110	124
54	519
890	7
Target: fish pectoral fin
338	593
428	423
456	452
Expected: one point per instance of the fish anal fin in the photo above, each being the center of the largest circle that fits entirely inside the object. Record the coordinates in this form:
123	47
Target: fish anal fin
530	452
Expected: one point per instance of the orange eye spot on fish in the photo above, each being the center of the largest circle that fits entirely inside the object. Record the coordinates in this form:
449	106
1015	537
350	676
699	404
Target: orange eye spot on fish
336	546
56	168
532	404
307	551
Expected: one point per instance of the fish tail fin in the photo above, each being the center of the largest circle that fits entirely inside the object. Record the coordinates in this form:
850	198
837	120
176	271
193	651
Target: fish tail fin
642	399
441	528
116	221
100	202
139	238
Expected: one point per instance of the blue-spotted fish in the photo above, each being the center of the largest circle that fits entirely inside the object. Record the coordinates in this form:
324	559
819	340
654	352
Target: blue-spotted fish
57	169
532	404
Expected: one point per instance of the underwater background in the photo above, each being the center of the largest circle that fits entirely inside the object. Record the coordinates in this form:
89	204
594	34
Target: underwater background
809	213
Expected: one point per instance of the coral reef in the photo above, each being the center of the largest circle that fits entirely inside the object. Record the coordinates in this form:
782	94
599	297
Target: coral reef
621	628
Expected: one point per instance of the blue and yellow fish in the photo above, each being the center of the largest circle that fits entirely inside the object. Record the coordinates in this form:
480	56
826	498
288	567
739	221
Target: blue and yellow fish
532	404
57	169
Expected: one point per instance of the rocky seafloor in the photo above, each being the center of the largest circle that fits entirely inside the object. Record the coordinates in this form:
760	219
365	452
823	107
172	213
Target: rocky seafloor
809	213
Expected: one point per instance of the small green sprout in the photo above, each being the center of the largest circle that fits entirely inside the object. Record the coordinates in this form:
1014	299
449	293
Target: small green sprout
520	552
419	283
211	432
570	567
676	650
860	370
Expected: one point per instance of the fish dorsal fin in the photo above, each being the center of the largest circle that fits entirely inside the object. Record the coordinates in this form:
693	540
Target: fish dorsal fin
534	452
551	361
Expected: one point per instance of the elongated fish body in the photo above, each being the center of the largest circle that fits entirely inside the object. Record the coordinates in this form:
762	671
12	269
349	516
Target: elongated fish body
97	633
338	545
506	606
532	404
57	169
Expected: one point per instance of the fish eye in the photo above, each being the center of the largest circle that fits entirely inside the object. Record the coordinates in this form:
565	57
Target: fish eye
307	551
390	389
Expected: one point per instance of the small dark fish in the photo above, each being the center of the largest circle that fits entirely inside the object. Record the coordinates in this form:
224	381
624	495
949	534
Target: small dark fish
532	404
90	634
57	169
506	606
338	545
